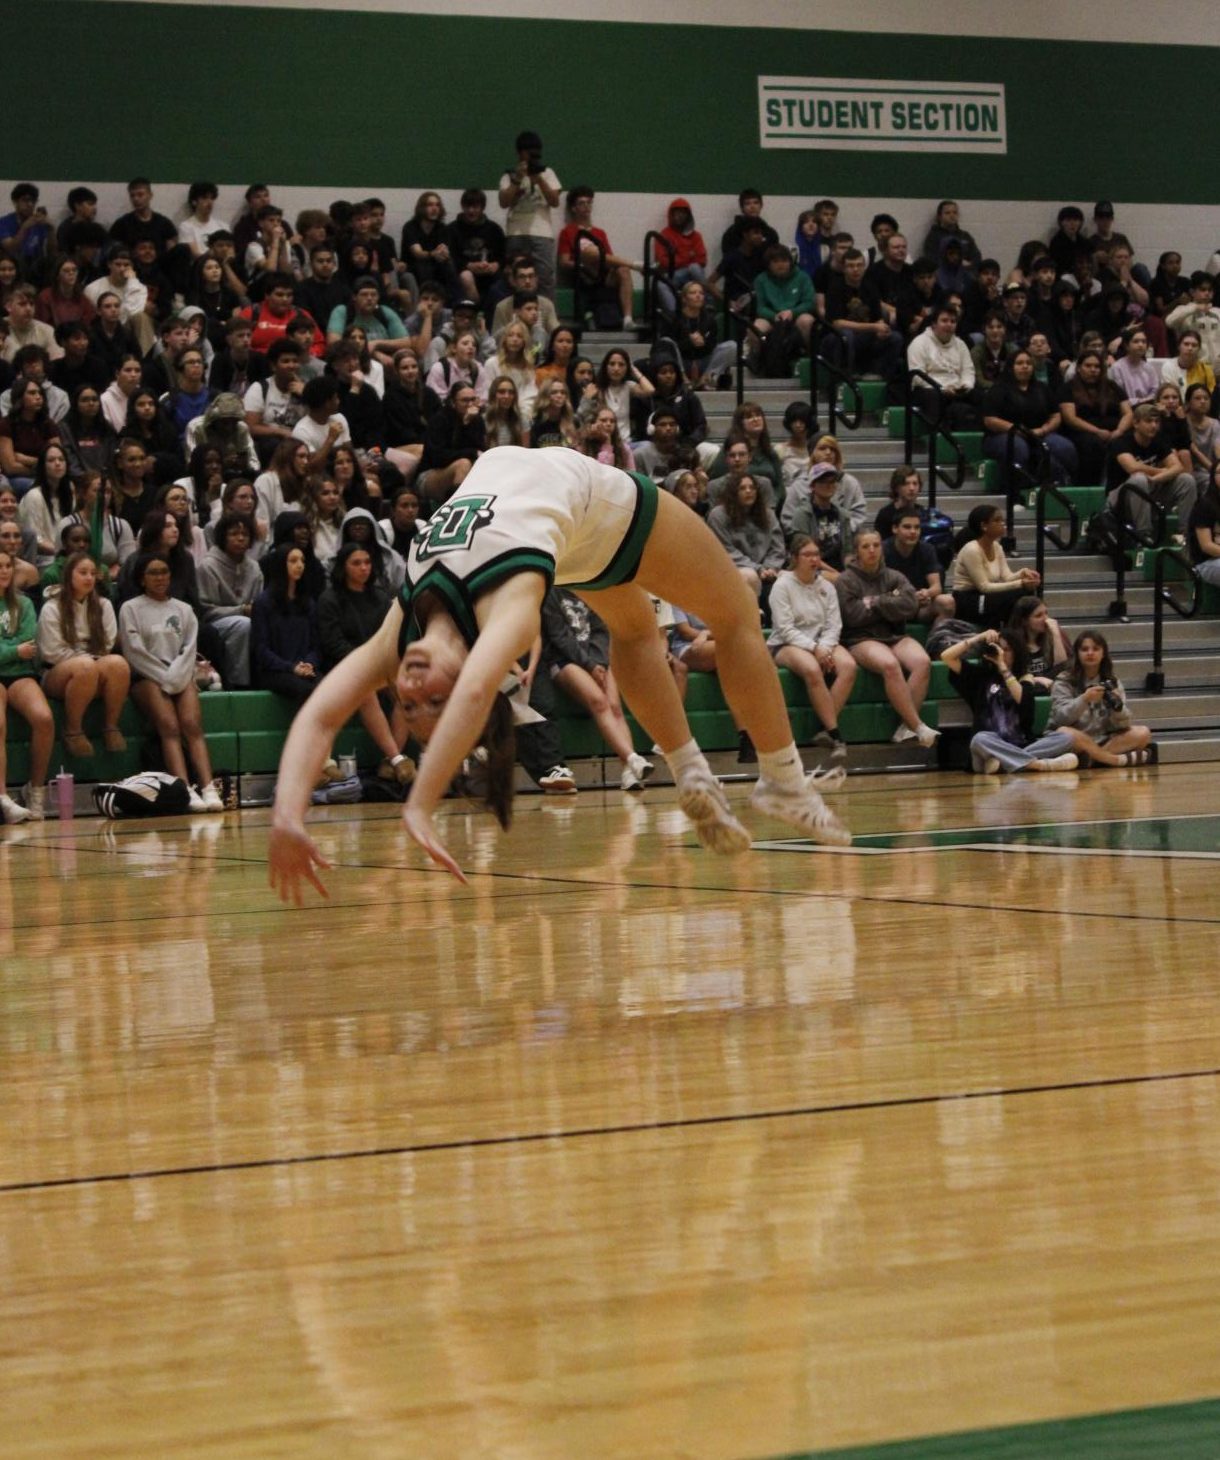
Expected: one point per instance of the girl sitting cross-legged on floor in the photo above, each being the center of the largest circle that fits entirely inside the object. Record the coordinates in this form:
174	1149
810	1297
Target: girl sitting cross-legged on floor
1000	692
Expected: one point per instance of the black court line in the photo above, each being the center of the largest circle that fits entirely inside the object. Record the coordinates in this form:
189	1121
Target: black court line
523	1138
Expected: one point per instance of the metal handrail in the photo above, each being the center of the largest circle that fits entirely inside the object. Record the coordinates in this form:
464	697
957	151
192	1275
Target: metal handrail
936	430
1154	680
1118	608
1038	454
653	273
835	376
1045	534
578	280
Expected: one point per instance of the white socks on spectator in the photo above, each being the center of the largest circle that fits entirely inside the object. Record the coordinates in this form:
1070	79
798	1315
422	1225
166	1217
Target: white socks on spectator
782	768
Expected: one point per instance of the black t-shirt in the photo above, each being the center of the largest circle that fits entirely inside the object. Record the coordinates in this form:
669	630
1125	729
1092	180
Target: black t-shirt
730	240
1176	432
473	243
992	706
1126	445
859	303
916	566
890	284
130	230
1101	410
1029	408
739	271
826	529
1206	515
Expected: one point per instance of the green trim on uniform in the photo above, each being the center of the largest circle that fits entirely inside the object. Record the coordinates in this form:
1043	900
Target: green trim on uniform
507	565
460	594
625	563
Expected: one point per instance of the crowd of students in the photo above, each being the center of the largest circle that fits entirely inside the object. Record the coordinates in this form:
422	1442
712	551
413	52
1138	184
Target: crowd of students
217	443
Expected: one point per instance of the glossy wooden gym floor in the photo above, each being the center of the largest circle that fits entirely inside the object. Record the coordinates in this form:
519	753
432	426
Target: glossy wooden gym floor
622	1151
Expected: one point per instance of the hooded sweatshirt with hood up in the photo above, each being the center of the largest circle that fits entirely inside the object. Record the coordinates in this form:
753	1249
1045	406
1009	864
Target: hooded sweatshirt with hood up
687	243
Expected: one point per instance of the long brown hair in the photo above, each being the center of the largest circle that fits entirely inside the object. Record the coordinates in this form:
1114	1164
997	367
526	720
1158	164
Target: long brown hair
11	598
96	642
500	742
739	515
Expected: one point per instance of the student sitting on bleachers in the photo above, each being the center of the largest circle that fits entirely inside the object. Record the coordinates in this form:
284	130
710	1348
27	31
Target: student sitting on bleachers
229	582
576	656
20	691
984	587
916	560
751	535
806	626
157	634
285	646
349	613
877	603
77	633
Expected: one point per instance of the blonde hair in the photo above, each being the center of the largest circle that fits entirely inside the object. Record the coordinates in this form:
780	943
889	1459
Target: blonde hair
833	442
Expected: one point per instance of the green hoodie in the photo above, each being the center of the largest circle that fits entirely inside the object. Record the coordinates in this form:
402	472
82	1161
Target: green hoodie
12	636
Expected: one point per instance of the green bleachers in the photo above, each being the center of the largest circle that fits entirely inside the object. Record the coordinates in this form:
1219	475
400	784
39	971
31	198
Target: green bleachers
1209	597
246	729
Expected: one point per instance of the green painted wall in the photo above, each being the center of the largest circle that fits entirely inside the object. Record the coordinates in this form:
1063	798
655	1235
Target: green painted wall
184	90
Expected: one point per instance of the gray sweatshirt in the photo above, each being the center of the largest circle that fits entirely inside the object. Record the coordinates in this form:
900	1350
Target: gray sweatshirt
749	545
158	640
225	587
1069	707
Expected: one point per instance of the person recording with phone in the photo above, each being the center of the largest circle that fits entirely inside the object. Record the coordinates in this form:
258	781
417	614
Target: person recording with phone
1000	693
529	190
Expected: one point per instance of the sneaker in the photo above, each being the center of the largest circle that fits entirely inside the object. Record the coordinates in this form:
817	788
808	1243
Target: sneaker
702	798
826	780
825	739
12	813
402	770
558	781
986	765
628	322
635	773
803	808
195	803
839	752
211	798
746	754
36	802
114	740
330	772
1066	762
926	736
901	734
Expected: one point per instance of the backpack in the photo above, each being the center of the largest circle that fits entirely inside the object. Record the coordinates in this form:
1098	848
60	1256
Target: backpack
937	532
1101	535
948	631
780	347
151	793
607	312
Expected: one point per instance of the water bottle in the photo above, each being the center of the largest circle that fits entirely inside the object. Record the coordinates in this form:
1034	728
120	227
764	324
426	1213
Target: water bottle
65	794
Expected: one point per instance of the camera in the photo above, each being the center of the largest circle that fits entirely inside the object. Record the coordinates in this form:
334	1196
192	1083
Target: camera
1109	694
991	652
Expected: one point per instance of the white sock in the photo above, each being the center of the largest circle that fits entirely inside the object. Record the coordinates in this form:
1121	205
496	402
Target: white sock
782	768
686	758
397	759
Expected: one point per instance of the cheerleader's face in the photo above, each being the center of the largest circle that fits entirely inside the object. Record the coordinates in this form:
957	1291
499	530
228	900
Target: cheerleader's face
426	678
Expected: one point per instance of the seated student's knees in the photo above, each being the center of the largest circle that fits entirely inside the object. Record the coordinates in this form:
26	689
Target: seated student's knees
1141	735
